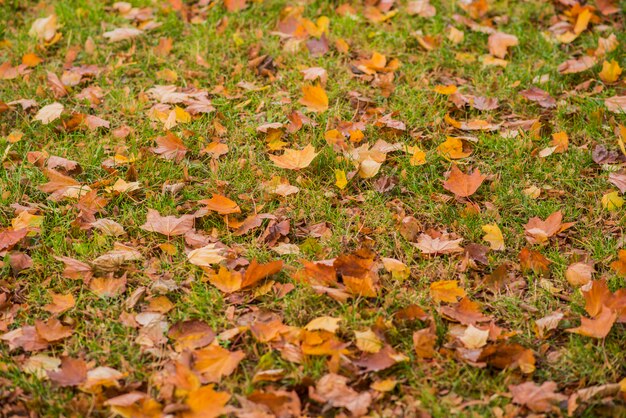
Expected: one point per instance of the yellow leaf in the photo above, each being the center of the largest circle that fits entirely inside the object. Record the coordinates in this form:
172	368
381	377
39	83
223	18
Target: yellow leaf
582	21
368	341
181	115
560	141
610	71
418	157
453	148
314	98
447	90
341	179
446	291
612	201
295	159
494	236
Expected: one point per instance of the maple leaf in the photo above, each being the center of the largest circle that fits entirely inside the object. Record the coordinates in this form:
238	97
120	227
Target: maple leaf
424	342
170	147
499	43
536	398
60	303
314	98
438	245
49	113
135	404
446	291
121	34
538	231
535	261
52	330
221	204
215	362
333	389
453	148
167	225
73	372
610	71
205	402
295	159
493	235
539	96
461	184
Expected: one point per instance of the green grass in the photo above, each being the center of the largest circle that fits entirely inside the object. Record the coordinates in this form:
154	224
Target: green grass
570	182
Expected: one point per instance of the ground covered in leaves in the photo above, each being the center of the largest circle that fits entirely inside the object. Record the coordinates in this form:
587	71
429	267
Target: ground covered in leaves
284	209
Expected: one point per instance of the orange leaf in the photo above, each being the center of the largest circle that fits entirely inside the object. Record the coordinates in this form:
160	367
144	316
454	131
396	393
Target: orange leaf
257	272
599	327
221	204
295	159
205	403
314	98
461	184
446	291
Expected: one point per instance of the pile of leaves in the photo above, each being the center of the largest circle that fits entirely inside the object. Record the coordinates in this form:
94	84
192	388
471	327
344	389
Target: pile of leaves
375	208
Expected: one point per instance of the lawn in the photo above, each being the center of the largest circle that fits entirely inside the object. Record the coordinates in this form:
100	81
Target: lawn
272	209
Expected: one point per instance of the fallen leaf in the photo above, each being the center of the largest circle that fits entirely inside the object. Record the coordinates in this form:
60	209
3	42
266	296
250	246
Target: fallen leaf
167	225
461	184
536	398
500	42
49	113
314	98
446	291
493	235
295	159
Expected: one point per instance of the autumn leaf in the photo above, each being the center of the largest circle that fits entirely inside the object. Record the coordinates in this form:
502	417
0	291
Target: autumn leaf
215	362
314	98
493	235
438	245
446	291
221	204
73	372
453	148
536	398
610	71
579	274
205	402
170	147
461	184
206	256
598	327
121	34
167	225
534	261
538	231
500	42
49	113
295	159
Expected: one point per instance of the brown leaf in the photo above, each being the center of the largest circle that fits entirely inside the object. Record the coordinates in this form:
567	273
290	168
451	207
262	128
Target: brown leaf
535	261
52	330
333	389
75	269
10	237
167	225
60	303
536	398
499	43
461	184
256	272
170	147
424	342
573	66
190	335
538	231
540	96
73	372
438	245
